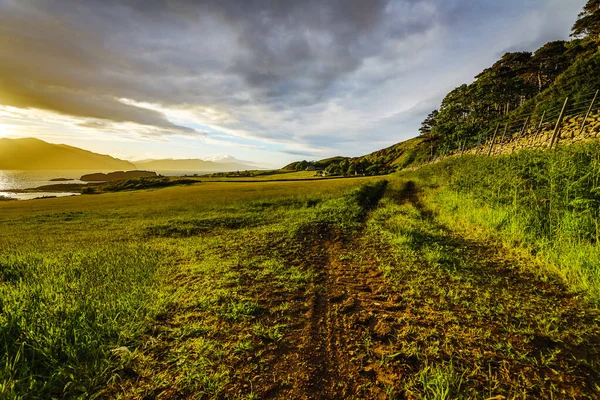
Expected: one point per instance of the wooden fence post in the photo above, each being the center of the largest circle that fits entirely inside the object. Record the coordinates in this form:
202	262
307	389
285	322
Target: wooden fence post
539	129
588	113
478	142
556	133
493	139
521	133
504	135
524	129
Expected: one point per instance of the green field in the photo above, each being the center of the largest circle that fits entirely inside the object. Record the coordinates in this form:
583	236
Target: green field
394	287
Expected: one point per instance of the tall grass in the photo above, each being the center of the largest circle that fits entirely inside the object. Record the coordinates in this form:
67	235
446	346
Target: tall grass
61	316
547	201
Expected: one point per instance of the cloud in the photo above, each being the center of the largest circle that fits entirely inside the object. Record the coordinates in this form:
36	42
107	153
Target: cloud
310	77
59	68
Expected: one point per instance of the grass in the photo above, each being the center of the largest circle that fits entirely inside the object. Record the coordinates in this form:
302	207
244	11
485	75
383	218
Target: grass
81	280
476	315
63	313
547	203
442	283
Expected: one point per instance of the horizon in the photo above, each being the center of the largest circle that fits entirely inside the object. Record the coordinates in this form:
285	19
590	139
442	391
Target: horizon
269	85
218	158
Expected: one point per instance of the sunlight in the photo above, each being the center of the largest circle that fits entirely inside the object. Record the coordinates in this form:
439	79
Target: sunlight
6	130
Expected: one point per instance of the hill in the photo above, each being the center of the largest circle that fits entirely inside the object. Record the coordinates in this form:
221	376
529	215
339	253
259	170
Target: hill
390	159
523	90
191	165
33	154
522	93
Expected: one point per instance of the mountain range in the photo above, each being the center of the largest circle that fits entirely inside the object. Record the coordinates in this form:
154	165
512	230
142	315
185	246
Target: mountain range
192	165
36	154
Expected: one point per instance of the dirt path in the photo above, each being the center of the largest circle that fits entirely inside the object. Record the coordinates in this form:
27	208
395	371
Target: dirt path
414	310
474	321
330	352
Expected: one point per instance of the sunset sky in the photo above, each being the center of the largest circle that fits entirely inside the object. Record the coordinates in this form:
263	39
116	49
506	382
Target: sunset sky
265	81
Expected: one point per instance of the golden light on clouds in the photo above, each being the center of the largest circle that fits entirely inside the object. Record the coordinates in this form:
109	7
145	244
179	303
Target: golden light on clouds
238	77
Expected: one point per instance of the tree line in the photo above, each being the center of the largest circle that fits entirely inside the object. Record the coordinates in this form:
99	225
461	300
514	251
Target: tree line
520	83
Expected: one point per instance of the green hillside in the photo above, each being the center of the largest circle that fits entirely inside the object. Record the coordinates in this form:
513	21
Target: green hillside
394	158
522	88
519	89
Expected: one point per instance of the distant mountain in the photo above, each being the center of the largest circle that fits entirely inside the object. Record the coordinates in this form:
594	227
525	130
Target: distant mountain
192	165
230	159
34	154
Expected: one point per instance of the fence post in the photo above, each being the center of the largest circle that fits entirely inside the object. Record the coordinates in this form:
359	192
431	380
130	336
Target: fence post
588	113
478	142
504	135
521	133
524	129
556	133
539	129
493	139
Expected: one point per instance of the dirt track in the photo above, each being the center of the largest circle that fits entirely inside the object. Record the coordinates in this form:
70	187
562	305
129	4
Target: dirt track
381	322
350	342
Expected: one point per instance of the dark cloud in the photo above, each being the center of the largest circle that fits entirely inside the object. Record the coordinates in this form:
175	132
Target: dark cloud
284	71
46	63
269	48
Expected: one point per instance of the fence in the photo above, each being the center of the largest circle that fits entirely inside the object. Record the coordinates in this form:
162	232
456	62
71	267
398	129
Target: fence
578	118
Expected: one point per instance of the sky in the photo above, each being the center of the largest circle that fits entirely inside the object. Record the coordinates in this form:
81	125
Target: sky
261	80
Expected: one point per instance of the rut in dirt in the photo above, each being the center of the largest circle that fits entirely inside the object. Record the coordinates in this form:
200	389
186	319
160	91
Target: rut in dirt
351	303
368	336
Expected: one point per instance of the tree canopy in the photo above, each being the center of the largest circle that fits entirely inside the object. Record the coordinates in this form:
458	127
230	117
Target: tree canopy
588	22
520	83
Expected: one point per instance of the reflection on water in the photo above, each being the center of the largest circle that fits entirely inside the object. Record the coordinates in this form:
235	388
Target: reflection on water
16	180
31	179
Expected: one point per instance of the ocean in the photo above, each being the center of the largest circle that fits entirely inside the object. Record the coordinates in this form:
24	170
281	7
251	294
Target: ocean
13	180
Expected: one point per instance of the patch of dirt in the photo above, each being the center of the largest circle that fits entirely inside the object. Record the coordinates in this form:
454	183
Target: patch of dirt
332	350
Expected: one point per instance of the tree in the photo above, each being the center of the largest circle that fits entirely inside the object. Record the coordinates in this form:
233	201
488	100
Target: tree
588	21
547	64
429	123
301	166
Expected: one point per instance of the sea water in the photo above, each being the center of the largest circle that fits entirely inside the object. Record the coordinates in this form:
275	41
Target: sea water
14	180
11	181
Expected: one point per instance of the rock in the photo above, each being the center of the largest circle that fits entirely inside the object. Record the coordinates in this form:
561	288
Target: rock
117	176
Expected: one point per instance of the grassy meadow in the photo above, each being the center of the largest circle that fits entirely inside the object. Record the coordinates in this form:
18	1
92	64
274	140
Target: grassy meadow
545	203
449	282
82	277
